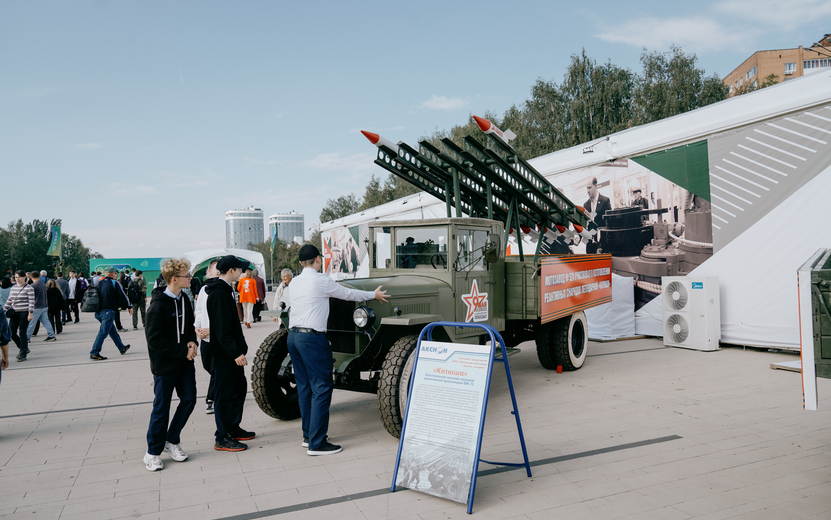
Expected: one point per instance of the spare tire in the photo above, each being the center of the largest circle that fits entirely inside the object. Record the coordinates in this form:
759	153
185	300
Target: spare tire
272	378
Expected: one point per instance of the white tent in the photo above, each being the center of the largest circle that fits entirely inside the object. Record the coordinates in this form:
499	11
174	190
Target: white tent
197	257
764	241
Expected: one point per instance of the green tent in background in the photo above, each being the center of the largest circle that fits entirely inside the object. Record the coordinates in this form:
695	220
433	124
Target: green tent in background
686	166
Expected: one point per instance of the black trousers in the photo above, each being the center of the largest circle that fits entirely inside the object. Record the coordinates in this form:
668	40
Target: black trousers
205	351
55	320
118	320
19	323
73	308
229	395
258	308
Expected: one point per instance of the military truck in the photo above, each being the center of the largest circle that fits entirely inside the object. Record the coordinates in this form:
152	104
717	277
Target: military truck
452	269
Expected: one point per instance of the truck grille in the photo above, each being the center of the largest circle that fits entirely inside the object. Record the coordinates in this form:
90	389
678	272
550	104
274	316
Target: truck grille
340	319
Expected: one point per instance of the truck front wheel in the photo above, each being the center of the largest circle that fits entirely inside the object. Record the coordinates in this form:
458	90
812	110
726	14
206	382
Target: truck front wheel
394	386
272	378
563	342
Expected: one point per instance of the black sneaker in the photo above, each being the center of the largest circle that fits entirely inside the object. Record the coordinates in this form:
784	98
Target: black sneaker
305	442
122	330
228	443
97	357
126	348
21	357
242	435
327	449
51	338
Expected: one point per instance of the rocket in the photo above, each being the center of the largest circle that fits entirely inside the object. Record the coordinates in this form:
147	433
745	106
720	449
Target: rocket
377	140
490	128
585	233
564	231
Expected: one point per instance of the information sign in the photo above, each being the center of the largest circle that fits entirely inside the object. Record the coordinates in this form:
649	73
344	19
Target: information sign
444	412
571	283
441	438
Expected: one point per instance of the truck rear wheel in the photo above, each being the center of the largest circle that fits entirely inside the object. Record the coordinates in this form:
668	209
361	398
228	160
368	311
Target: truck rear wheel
394	386
274	389
563	342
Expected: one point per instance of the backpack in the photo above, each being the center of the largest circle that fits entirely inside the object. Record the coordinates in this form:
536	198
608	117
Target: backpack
83	283
134	292
91	301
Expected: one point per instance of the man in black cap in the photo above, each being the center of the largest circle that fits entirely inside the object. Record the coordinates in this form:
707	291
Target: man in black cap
311	353
638	200
228	349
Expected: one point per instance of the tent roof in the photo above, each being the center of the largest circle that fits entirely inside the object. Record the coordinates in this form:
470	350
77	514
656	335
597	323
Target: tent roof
199	256
790	96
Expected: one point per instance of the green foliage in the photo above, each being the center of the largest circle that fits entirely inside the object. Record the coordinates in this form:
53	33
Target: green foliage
24	246
340	207
672	84
285	255
769	81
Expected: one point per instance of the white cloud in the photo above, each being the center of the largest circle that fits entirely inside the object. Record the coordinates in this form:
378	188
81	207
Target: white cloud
337	161
444	103
89	145
122	189
727	23
787	14
698	33
253	161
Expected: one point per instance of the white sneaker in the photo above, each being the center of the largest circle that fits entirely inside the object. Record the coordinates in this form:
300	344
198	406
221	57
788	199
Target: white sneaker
176	452
153	462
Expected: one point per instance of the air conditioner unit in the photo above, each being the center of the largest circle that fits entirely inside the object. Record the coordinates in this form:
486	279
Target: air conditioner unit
692	312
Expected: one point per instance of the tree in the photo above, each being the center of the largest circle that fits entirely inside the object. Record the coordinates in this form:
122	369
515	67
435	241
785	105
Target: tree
769	81
672	84
24	246
340	207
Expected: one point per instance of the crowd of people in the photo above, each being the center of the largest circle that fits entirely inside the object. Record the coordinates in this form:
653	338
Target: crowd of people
184	319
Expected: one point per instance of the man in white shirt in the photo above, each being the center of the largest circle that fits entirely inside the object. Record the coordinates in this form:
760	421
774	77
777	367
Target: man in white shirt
311	353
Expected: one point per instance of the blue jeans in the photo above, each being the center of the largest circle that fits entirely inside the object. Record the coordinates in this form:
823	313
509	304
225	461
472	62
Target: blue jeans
162	428
106	317
311	357
41	315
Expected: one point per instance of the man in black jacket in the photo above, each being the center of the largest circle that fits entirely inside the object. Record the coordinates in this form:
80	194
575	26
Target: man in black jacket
171	344
112	298
228	349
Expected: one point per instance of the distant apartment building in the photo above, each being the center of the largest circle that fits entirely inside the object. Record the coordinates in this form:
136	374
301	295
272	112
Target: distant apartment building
784	63
290	226
243	227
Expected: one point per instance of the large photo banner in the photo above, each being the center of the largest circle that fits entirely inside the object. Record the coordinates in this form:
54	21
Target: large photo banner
444	417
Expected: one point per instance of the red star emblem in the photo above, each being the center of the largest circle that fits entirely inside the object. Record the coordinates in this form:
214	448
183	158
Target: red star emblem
474	301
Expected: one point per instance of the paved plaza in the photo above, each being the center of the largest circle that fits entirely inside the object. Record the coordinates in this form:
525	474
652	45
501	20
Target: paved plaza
640	432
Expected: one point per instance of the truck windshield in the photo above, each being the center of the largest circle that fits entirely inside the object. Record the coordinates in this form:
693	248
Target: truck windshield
421	248
470	253
381	251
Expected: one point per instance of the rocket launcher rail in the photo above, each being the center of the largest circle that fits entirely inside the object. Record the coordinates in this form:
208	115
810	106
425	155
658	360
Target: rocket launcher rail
490	181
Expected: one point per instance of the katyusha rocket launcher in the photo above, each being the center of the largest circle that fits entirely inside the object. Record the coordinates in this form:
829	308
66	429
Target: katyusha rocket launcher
488	180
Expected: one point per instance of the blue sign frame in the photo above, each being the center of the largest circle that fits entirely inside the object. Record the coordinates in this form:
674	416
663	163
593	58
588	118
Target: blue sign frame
496	338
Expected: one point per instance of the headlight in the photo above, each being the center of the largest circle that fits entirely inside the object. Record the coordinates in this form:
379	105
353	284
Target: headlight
363	317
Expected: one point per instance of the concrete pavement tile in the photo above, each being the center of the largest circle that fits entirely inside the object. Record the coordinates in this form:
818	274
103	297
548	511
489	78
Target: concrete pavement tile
232	507
114	512
662	513
289	479
277	499
37	512
90	506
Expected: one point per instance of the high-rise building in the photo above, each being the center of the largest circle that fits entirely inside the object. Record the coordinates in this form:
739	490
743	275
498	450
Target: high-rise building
290	226
784	63
243	227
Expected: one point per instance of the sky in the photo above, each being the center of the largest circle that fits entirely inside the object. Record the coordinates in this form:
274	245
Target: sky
140	123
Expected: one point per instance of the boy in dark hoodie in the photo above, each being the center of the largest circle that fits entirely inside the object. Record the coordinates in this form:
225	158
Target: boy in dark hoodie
171	343
228	349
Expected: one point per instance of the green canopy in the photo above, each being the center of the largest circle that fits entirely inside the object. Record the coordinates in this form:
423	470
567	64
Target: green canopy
686	166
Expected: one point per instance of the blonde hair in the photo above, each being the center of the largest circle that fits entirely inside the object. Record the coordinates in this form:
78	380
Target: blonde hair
172	266
51	284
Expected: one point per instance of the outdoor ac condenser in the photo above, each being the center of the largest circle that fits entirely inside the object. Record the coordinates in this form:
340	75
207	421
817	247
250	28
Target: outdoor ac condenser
692	313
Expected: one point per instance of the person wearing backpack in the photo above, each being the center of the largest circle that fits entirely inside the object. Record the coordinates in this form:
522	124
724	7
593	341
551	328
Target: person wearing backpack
137	294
